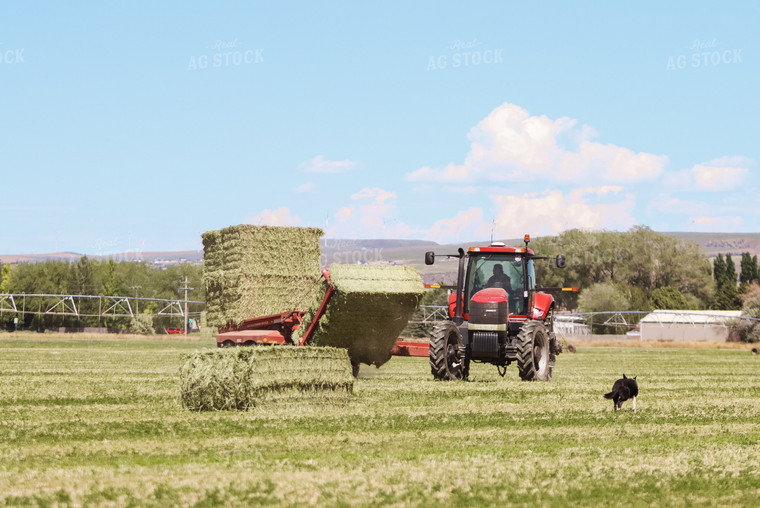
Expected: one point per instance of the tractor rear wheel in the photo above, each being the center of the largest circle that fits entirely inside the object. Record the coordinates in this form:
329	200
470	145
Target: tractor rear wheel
445	341
533	352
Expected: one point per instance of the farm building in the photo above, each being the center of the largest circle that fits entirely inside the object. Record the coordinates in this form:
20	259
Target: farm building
709	325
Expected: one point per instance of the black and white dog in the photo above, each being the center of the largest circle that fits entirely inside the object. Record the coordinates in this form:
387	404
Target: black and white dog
622	390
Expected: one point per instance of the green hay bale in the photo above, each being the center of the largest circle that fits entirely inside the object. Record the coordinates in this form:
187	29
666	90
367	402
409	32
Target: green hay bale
251	271
263	376
370	308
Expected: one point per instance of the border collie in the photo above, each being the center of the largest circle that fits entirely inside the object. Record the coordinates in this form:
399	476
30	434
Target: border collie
622	390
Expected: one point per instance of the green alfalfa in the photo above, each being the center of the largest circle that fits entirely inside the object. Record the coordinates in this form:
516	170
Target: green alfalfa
251	271
369	309
261	376
211	381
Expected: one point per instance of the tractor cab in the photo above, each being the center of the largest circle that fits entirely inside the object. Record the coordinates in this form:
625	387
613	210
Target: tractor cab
500	267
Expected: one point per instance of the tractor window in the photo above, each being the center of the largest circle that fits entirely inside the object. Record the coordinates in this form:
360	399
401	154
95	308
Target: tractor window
498	271
531	275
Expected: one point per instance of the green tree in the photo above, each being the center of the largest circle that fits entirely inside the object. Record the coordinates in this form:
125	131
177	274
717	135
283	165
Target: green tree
727	298
730	270
603	297
685	267
81	278
110	286
668	297
637	298
5	278
639	258
92	277
747	267
142	324
719	271
82	281
547	274
643	257
745	330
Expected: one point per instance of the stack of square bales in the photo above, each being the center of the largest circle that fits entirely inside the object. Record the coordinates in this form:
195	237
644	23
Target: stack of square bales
252	271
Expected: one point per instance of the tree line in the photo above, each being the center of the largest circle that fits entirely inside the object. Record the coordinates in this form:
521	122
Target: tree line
729	296
745	296
100	278
638	269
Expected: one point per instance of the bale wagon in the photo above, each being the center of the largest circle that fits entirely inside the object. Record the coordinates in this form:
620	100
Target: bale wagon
361	309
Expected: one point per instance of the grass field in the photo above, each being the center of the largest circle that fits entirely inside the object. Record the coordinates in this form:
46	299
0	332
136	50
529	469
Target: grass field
98	422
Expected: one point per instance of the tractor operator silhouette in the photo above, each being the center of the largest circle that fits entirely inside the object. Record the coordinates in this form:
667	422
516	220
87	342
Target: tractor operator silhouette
499	279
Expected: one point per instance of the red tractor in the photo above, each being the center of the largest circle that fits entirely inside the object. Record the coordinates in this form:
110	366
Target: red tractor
497	315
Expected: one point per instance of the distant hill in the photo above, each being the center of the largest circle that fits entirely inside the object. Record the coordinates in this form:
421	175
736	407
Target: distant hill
333	243
400	252
724	243
28	258
190	256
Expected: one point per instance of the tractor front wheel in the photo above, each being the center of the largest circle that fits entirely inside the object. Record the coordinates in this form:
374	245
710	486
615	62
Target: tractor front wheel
445	341
533	352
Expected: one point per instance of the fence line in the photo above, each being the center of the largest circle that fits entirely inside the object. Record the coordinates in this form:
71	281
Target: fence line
627	318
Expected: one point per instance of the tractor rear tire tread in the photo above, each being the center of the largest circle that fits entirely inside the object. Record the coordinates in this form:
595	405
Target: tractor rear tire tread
531	334
439	339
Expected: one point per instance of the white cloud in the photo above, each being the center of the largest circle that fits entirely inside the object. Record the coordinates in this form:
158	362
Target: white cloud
379	195
465	225
551	212
305	187
700	215
321	165
511	145
374	216
725	223
466	189
603	190
279	217
668	204
547	213
610	162
450	173
722	174
345	213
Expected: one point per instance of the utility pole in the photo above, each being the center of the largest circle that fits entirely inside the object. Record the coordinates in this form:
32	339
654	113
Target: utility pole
186	288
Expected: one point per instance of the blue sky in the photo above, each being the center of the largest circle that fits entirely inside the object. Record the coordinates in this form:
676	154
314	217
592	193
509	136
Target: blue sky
139	126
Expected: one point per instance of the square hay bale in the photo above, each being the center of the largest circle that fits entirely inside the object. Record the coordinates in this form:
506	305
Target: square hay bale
371	306
245	378
251	271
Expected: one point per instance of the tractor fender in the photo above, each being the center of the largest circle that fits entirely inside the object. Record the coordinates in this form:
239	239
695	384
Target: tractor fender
453	307
542	303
